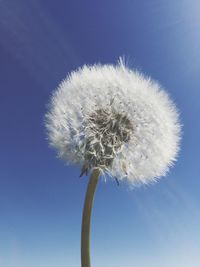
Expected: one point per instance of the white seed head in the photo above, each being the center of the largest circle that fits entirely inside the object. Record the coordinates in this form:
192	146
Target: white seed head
116	119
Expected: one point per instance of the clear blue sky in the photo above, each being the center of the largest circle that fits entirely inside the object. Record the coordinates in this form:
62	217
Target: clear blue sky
41	199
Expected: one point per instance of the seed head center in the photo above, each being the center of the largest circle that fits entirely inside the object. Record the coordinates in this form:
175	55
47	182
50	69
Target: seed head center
108	130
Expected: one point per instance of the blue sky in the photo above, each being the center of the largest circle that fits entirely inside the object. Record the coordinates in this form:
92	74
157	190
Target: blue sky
41	199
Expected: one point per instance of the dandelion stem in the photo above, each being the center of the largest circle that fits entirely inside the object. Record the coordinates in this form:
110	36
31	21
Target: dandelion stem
85	234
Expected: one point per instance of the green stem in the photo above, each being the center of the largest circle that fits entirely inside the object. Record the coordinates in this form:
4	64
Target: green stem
85	234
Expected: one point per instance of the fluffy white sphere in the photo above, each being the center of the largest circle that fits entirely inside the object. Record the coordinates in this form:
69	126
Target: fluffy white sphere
116	119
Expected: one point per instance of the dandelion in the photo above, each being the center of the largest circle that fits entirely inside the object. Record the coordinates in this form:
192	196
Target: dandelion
112	121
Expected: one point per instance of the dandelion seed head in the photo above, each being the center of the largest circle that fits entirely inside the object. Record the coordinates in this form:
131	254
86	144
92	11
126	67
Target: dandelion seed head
116	119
